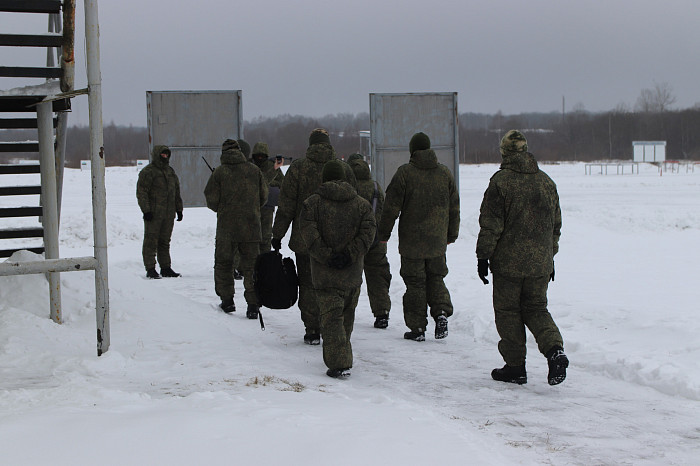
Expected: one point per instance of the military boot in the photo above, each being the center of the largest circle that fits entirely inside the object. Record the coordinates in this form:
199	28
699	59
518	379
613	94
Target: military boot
338	373
414	335
381	322
237	275
510	374
253	311
557	362
440	327
168	272
227	305
312	339
151	273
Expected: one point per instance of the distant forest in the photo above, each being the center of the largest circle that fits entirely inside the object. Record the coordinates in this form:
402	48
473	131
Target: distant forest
574	136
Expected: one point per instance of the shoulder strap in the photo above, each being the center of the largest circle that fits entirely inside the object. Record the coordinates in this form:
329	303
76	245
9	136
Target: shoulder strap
375	196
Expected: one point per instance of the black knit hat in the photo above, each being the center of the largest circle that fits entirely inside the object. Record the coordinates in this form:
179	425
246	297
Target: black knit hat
333	170
245	147
355	157
318	136
419	141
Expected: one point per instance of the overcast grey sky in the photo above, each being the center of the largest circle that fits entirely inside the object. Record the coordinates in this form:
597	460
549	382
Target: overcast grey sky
315	57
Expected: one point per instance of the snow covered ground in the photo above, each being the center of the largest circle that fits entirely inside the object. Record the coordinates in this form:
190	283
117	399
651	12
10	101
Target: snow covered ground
183	383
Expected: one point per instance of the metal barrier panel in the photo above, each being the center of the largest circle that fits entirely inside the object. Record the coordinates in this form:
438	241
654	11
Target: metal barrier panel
394	118
193	124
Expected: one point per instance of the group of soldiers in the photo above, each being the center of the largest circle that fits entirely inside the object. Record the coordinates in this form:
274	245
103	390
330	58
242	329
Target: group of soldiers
340	223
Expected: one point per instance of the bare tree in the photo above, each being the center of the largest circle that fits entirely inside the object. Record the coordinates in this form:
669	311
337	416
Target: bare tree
656	100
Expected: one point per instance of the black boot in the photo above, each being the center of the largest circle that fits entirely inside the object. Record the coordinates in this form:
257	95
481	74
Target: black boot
253	311
168	272
381	322
338	373
414	335
510	374
227	305
557	362
151	273
440	327
312	339
237	275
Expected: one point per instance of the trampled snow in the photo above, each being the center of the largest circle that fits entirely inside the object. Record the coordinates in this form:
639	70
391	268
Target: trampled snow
184	383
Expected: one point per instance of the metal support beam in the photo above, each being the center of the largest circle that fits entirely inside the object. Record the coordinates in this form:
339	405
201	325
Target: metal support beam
99	195
49	203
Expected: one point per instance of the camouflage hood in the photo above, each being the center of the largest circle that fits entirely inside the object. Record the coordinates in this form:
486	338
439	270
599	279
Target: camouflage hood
424	159
340	191
232	157
321	152
361	169
520	162
155	156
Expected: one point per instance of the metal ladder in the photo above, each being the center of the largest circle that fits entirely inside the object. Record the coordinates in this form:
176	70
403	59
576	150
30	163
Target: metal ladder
50	102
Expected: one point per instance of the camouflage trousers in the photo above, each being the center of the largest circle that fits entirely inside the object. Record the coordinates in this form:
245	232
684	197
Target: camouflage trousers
337	309
378	279
223	267
308	304
266	216
156	242
520	303
425	286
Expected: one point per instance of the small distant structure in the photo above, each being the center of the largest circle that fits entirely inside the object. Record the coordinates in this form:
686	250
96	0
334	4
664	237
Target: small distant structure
140	164
85	165
649	151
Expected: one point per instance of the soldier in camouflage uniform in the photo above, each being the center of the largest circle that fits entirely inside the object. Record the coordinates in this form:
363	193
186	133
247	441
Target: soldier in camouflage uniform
245	148
274	177
158	195
235	191
302	179
377	270
423	191
338	228
520	224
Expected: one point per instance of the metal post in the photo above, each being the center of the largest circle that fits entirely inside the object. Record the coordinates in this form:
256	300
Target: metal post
99	196
49	203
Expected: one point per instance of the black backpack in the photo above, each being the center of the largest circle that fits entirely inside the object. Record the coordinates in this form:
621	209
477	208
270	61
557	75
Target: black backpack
275	281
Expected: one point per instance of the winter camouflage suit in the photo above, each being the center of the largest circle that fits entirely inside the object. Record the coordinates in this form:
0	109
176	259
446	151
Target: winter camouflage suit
302	179
274	178
520	224
377	270
158	193
235	191
423	191
337	220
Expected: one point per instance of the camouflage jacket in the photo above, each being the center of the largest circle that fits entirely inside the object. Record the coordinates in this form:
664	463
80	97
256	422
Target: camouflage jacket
520	219
366	187
235	191
302	179
332	221
158	187
423	191
274	177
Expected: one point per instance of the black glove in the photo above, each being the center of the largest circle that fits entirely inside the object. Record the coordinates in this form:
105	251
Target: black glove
276	243
551	275
339	260
482	267
148	216
179	216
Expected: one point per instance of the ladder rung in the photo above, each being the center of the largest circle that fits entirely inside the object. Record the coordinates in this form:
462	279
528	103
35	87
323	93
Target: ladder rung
31	6
27	103
9	252
19	147
6	212
31	40
19	190
20	169
21	123
22	233
30	72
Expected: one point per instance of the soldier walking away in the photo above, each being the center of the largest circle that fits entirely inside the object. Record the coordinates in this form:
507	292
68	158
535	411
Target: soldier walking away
423	191
338	228
520	222
237	275
235	191
270	169
377	269
158	195
302	179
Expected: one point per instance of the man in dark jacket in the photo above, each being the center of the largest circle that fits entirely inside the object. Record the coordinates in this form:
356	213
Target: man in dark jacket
377	270
338	228
235	191
302	179
423	191
158	195
274	177
520	224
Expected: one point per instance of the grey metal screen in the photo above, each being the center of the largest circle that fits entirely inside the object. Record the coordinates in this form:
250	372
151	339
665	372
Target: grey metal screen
193	124
394	118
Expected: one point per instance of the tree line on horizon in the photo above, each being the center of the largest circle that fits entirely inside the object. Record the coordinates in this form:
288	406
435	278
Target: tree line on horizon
577	135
